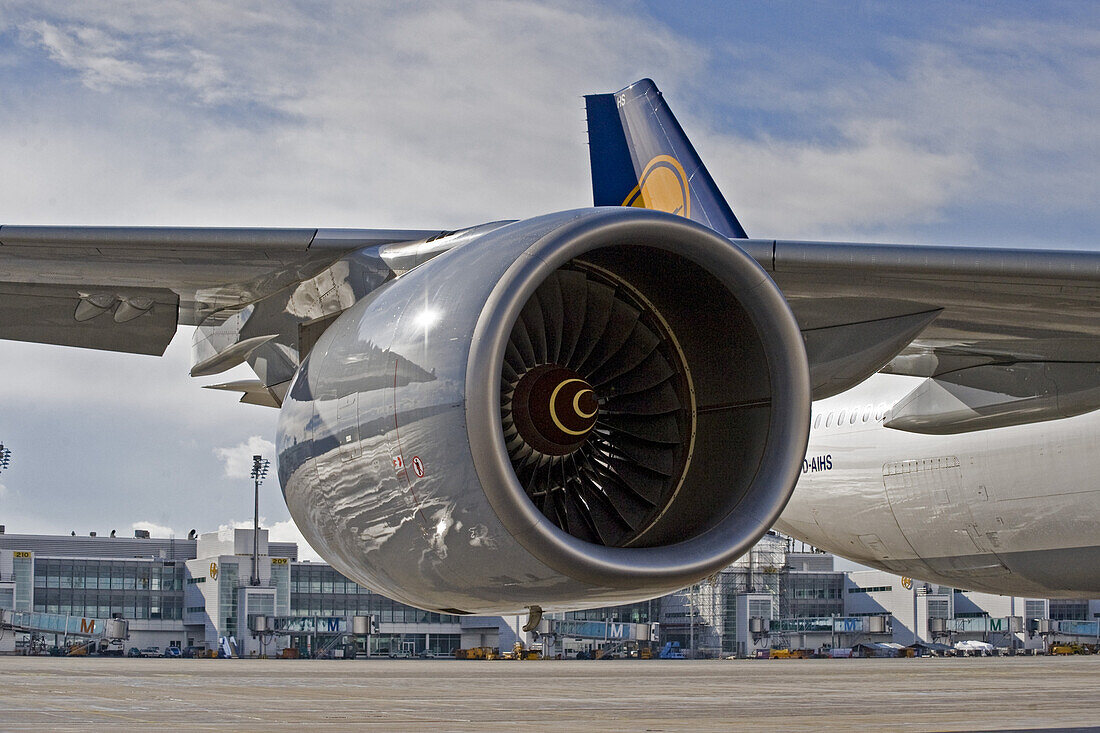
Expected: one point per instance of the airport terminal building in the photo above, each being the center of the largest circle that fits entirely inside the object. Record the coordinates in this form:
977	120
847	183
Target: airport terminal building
194	592
204	592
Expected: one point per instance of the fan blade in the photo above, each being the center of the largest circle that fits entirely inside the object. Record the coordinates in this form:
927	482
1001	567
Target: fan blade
533	319
620	324
598	304
574	295
521	340
656	401
654	428
653	456
638	346
550	300
651	372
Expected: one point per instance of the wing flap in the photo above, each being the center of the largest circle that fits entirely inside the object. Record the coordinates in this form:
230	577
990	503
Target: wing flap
132	320
996	396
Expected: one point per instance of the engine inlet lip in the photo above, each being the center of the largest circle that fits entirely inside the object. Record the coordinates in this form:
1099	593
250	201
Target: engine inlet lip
569	235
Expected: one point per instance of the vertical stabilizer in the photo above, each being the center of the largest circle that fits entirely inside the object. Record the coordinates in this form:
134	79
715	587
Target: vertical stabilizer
641	157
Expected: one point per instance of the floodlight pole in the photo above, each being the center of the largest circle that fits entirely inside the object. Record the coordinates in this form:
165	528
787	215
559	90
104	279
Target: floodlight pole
259	471
5	457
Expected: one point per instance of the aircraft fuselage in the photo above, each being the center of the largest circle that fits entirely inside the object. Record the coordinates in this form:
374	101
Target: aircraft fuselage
1010	510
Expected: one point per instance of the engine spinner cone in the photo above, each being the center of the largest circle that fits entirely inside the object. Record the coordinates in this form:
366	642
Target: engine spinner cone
554	409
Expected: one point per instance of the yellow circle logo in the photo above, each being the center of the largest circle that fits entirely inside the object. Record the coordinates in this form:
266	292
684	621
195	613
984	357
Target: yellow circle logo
907	583
662	186
213	571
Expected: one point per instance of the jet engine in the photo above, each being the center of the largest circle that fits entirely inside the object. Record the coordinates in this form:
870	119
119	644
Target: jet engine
585	408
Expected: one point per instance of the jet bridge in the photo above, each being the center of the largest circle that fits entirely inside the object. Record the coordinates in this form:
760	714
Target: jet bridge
613	634
321	635
38	624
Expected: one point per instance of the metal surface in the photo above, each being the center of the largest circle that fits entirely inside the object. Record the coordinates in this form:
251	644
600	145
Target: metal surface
415	495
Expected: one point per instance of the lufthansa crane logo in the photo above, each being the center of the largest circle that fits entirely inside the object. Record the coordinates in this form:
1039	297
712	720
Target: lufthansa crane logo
662	186
907	583
213	571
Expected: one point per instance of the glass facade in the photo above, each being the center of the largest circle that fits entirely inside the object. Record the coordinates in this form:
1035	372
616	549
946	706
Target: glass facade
443	645
809	595
1037	609
1069	609
318	590
280	579
227	597
22	568
100	588
643	612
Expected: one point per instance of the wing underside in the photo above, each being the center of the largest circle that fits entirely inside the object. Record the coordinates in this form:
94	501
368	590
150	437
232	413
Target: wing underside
1013	337
126	288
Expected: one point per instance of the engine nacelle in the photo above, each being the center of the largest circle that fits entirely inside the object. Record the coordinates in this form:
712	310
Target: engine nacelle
585	408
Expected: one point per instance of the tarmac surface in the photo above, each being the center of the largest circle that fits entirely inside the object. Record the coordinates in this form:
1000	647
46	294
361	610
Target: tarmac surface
59	694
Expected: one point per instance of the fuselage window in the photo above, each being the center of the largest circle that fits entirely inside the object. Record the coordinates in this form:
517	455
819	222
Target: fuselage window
829	420
867	413
817	421
854	417
840	418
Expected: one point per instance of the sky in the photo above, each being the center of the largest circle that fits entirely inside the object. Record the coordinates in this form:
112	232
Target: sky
931	122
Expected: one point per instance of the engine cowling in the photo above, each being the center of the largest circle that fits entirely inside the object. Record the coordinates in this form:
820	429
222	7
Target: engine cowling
584	408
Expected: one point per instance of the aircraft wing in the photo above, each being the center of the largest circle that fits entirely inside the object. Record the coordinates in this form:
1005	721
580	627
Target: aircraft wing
126	288
1013	334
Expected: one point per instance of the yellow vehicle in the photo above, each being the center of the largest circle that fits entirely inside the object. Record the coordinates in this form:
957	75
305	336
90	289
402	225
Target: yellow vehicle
478	652
80	649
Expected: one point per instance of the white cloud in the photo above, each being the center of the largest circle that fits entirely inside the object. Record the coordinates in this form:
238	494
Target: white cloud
89	51
873	178
285	531
155	530
238	459
992	116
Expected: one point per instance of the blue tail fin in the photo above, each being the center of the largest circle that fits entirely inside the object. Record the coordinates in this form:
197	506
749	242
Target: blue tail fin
641	157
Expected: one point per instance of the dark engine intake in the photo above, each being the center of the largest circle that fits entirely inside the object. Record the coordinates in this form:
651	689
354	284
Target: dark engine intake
590	407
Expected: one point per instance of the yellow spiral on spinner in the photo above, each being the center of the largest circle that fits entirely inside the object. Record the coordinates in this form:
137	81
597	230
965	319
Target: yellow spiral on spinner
577	404
576	407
